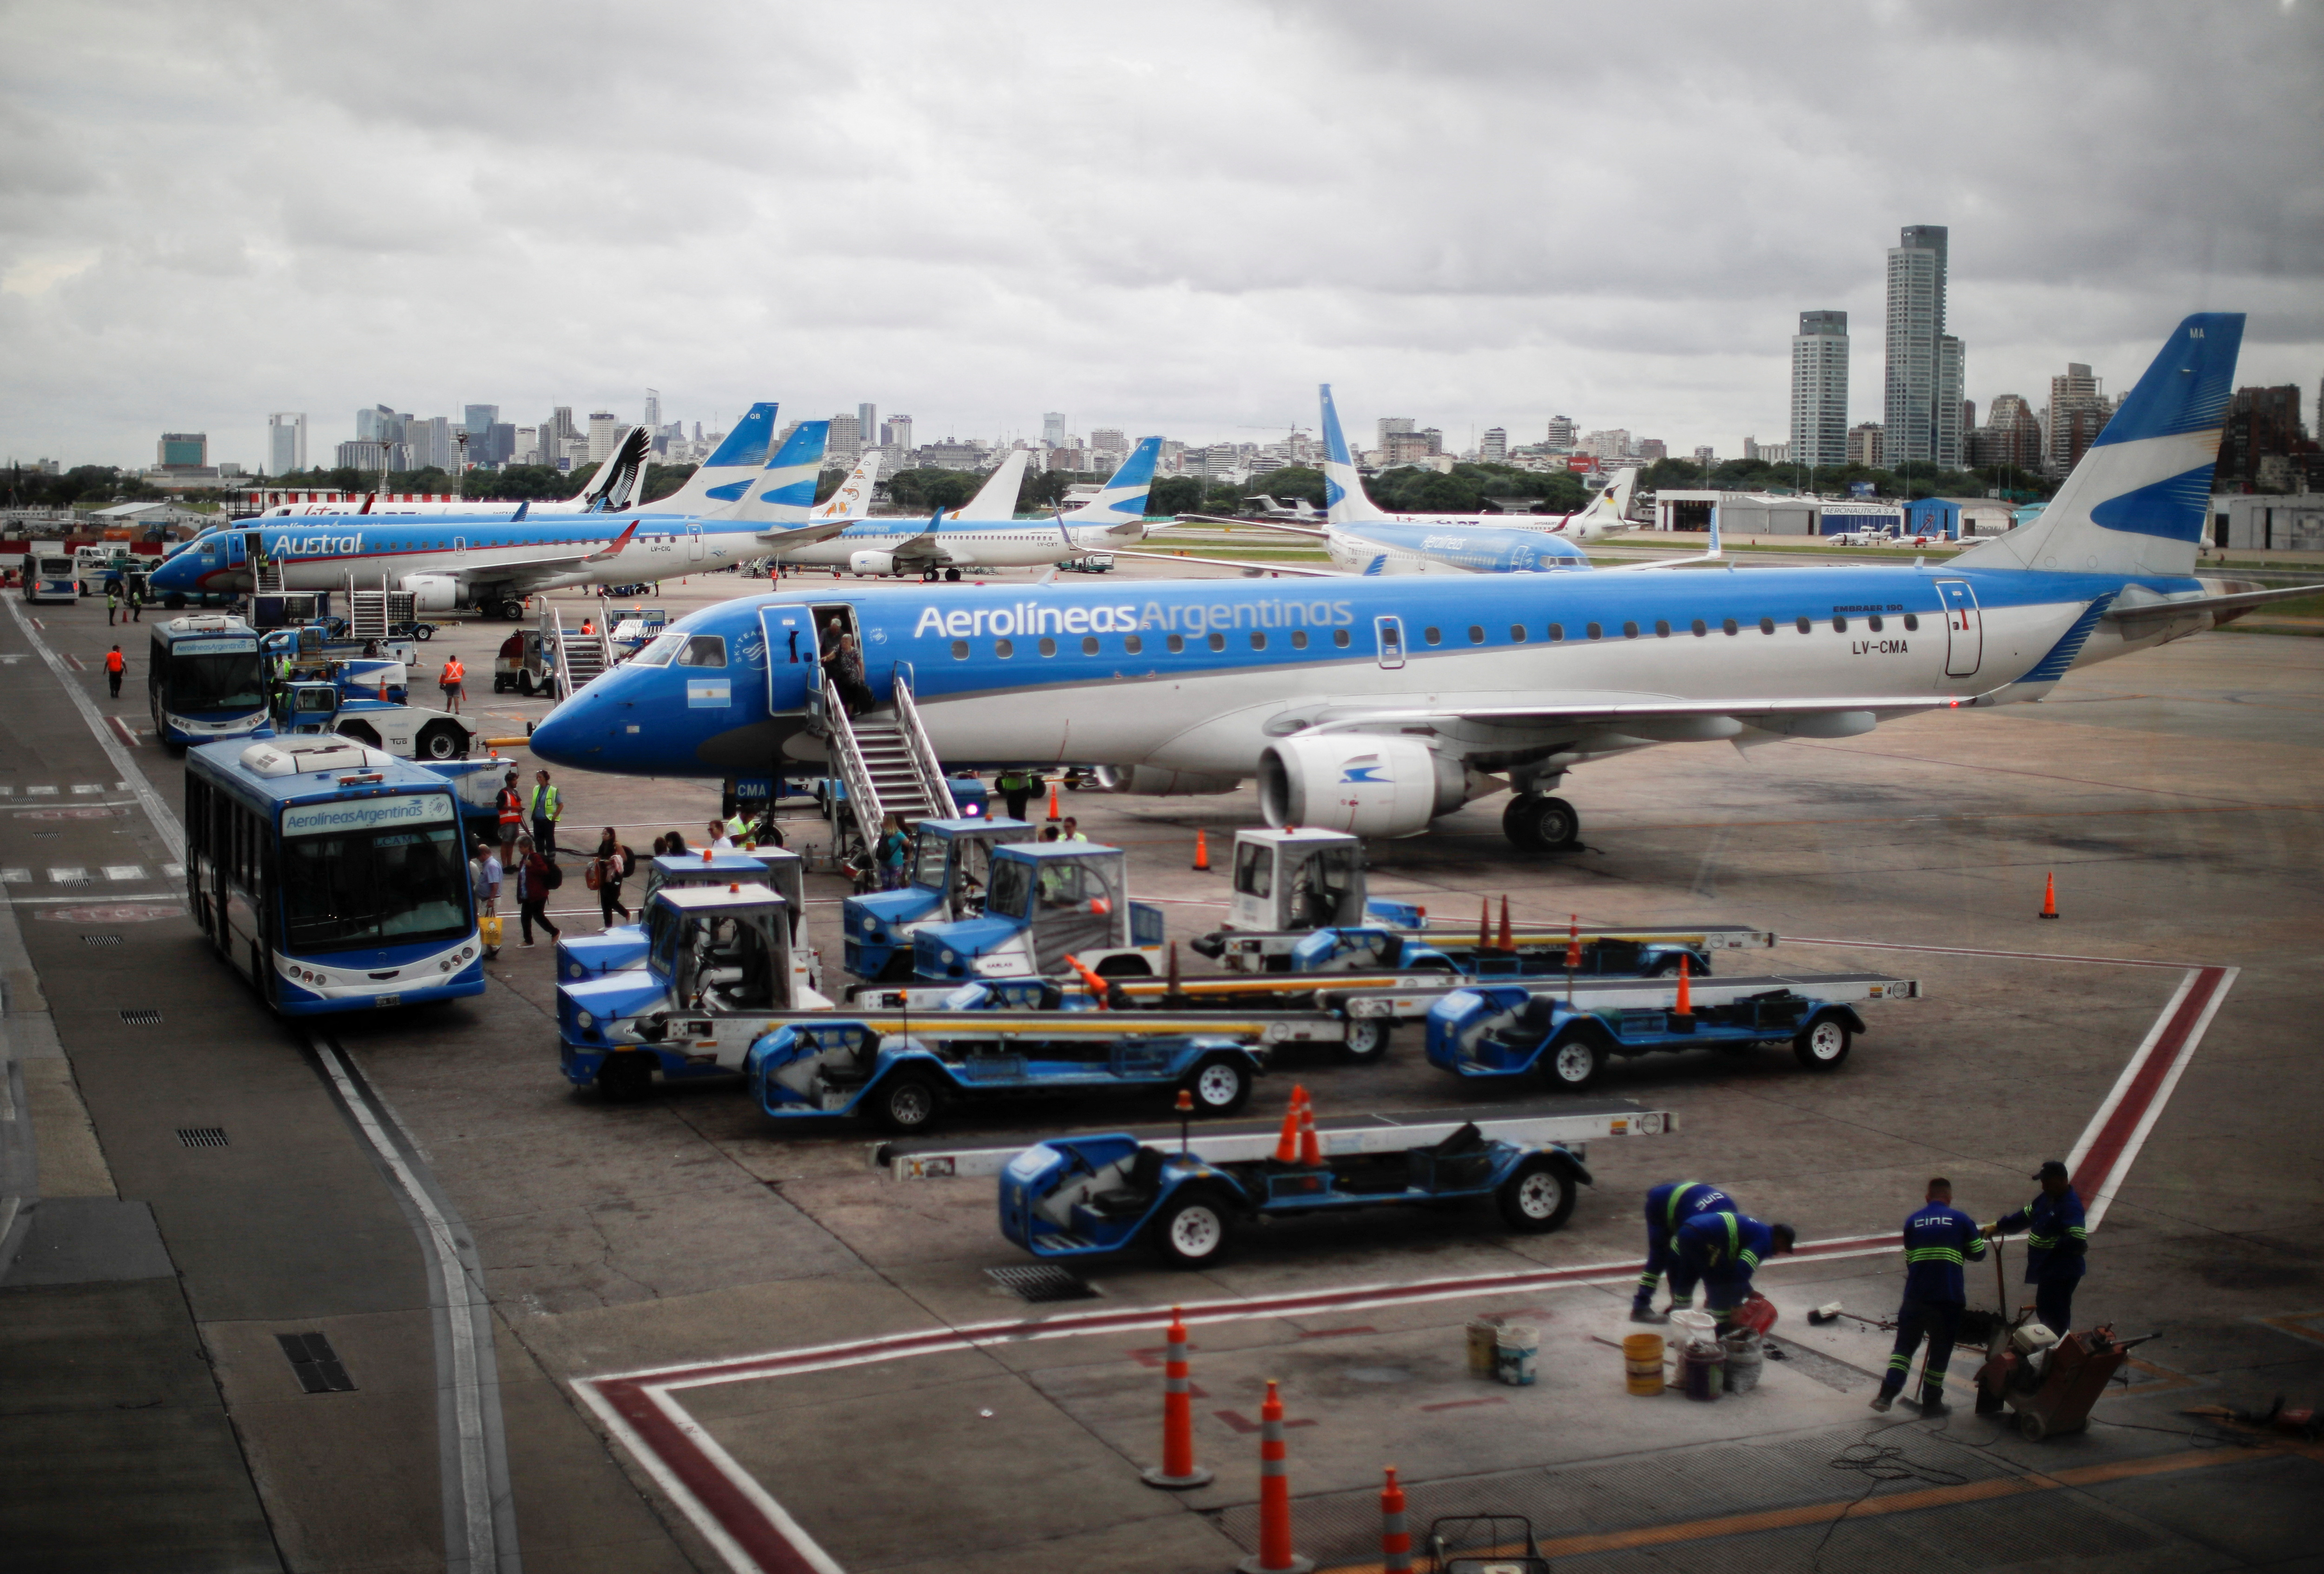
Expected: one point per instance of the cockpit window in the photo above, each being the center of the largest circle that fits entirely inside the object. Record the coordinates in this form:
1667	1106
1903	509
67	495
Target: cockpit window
702	650
658	655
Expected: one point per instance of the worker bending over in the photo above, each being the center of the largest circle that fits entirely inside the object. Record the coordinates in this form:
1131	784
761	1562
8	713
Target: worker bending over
1669	1205
1723	1250
2057	1244
1937	1240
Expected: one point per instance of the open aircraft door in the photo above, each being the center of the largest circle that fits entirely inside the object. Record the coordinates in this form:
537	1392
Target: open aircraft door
1964	629
791	665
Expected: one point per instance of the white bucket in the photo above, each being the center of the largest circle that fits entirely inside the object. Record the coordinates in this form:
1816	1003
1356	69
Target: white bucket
1516	1350
1689	1325
1745	1361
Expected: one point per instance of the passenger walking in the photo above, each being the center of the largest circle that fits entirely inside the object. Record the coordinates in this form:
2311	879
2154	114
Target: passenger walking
511	803
1669	1205
485	877
894	844
536	877
1073	831
1937	1239
720	842
452	680
606	872
1015	786
114	665
2057	1245
547	809
1723	1250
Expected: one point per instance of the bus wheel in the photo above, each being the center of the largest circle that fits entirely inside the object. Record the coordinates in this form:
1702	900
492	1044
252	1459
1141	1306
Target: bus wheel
627	1077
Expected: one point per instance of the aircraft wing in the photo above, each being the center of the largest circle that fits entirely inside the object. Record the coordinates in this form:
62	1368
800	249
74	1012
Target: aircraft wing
2233	605
530	572
1302	570
779	542
1261	524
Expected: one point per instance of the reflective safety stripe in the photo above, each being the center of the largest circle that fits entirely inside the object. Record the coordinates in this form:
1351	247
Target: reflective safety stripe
1677	1196
1177	1385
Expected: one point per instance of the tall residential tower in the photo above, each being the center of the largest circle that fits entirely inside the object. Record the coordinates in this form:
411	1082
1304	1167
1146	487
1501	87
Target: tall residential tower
1922	404
1820	389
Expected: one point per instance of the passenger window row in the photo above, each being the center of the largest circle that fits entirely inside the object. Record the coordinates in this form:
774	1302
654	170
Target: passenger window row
1135	645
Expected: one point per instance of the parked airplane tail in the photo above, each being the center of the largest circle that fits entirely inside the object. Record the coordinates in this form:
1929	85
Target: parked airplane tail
2138	501
995	502
617	480
1345	501
782	494
1613	502
726	473
1122	501
853	501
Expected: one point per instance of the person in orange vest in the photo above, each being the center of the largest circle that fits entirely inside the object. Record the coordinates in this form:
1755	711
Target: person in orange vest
450	680
511	804
112	667
587	627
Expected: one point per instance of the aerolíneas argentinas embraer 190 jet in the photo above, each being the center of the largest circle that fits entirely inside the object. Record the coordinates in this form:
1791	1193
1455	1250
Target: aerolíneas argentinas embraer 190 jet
737	507
1374	705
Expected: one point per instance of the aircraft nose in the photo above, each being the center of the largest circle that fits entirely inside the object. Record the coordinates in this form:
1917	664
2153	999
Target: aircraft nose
562	738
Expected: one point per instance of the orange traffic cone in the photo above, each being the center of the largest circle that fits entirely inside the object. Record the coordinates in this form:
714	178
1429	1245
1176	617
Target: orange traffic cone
1287	1145
1053	802
2050	896
1573	944
1202	849
1275	1555
1685	995
1178	1472
1311	1148
1484	924
1508	938
1396	1541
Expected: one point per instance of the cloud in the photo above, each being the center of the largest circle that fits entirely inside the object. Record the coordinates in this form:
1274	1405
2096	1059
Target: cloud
1481	214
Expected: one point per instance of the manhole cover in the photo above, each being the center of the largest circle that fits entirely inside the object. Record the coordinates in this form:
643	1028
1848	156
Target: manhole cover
143	1016
201	1137
1041	1281
100	939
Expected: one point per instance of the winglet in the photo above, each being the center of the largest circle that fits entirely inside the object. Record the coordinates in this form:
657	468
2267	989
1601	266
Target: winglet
612	549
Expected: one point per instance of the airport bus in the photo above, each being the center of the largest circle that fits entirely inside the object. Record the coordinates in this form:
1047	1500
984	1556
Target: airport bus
50	575
334	876
205	680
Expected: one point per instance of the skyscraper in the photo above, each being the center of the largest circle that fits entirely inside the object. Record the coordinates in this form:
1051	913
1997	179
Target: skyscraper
844	445
1920	408
603	428
1494	446
896	432
867	424
286	442
2077	412
1562	430
1820	389
652	417
1052	429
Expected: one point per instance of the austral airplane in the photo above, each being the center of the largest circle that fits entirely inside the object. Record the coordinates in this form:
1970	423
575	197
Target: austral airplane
1376	705
493	563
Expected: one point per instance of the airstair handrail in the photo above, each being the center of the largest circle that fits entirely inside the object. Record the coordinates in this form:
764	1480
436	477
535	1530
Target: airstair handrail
923	750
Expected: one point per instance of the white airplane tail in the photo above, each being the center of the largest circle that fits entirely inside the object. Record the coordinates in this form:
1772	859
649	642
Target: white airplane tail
1345	501
727	473
995	502
780	499
853	501
2138	501
619	475
1120	507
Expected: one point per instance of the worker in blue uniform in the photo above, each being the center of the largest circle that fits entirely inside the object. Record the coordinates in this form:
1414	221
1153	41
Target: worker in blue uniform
1723	1250
2057	1242
1938	1238
1668	1206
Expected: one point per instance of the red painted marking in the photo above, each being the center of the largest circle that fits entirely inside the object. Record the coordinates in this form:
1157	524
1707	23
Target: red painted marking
1337	1333
2099	1163
121	730
74	663
1248	1427
752	1529
1463	1403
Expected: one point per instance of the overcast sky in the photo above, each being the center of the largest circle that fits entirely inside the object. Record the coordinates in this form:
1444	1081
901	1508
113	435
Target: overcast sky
1175	220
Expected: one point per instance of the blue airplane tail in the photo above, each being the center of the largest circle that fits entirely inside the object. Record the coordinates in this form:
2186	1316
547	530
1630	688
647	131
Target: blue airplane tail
2138	501
725	474
1345	501
781	495
1123	502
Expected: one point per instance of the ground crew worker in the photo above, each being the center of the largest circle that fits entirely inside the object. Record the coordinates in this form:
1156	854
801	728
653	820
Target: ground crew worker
136	602
2057	1245
1015	786
1938	1239
112	603
511	804
1668	1206
450	680
113	663
1073	831
547	809
1723	1250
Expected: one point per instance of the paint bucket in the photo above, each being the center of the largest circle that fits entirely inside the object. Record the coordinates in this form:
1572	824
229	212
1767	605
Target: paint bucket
1688	1326
1642	1363
1515	1351
1745	1361
1484	1341
1703	1370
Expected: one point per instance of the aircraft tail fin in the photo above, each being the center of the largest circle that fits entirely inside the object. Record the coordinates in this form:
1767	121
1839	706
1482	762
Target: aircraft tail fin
1345	501
783	494
1122	503
853	501
1613	502
995	502
726	473
621	474
2137	502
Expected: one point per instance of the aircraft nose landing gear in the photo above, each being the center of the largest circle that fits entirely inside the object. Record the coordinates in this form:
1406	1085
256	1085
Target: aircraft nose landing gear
1543	823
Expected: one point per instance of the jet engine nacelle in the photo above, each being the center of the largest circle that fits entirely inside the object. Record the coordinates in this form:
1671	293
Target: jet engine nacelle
1362	782
1154	782
871	563
432	592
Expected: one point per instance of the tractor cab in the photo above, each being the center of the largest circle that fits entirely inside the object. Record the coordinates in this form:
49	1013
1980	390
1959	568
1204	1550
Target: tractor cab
1045	902
950	870
1296	880
627	946
306	706
721	951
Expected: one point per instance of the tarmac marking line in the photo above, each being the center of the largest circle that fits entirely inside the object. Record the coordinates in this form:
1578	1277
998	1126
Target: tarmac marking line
756	1535
121	730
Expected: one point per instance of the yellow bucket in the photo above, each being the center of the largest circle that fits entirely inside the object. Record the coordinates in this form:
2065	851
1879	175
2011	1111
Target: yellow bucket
1642	1360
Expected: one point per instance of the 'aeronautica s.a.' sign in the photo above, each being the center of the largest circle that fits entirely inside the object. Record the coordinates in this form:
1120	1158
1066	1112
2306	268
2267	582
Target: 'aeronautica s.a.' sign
1032	617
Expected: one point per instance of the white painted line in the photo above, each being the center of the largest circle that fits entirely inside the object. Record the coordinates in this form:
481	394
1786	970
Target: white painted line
12	876
475	1482
40	792
120	786
174	871
8	792
69	877
124	871
82	789
165	824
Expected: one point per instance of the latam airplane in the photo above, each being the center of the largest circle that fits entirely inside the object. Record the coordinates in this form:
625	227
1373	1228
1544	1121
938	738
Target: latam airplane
493	563
1376	705
986	533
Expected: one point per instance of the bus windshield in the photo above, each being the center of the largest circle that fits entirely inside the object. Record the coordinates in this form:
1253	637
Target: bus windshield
216	681
385	886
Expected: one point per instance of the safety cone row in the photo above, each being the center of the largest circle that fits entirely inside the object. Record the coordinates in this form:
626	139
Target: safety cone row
1178	1472
2049	895
1396	1538
1202	849
1275	1555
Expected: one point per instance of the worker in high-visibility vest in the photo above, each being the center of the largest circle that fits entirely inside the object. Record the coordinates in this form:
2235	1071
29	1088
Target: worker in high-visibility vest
450	680
547	809
113	670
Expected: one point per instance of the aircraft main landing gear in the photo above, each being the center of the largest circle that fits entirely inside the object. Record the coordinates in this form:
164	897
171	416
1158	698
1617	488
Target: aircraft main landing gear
1542	823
